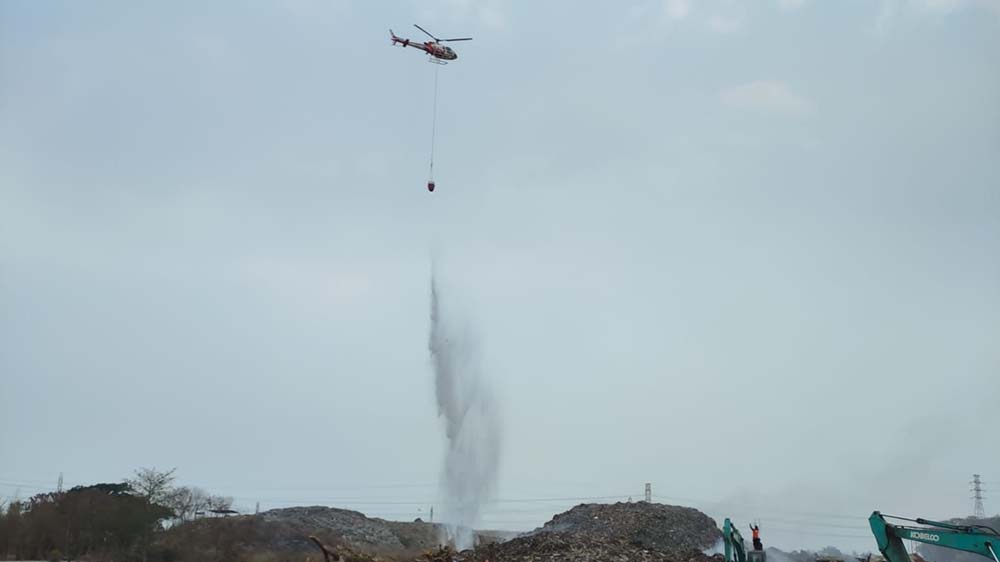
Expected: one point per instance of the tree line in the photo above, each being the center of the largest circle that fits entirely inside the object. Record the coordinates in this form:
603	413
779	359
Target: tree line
112	521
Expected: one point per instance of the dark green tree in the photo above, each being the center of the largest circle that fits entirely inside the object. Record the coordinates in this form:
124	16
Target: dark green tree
103	519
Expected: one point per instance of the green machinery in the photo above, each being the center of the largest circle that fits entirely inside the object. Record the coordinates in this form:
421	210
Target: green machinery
977	539
735	548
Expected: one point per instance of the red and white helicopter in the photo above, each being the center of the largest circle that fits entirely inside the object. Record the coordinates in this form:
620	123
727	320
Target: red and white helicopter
439	53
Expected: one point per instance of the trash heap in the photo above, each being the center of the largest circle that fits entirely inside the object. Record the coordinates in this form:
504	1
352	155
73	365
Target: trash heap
565	547
652	526
622	532
350	527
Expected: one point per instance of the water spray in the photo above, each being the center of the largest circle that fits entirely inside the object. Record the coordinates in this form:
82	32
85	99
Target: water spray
471	421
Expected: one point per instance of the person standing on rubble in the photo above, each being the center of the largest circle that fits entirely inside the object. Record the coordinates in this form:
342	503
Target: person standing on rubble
757	545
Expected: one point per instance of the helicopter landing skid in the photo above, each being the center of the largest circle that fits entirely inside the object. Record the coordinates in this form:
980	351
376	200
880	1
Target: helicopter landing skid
435	60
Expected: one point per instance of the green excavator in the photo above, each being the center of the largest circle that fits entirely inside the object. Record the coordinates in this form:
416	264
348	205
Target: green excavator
978	539
735	548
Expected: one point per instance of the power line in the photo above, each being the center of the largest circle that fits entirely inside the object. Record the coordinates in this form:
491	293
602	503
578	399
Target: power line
502	507
496	510
813	524
323	488
790	527
351	487
37	488
363	501
359	503
367	500
819	534
714	505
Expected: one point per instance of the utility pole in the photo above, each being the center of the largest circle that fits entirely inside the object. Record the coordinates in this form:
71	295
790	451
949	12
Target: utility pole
432	514
649	492
977	496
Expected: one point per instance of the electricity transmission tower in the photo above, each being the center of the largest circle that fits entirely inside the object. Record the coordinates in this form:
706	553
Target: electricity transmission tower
977	496
649	492
60	484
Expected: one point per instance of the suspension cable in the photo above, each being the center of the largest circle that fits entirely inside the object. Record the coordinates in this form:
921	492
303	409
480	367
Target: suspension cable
437	69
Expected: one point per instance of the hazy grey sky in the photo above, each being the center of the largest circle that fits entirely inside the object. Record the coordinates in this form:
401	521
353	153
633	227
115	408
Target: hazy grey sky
746	251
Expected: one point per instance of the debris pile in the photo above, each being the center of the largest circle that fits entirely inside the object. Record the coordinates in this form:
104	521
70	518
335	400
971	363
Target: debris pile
652	526
565	547
622	532
350	528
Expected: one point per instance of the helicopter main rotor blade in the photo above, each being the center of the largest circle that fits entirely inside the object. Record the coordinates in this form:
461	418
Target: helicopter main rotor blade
425	31
459	39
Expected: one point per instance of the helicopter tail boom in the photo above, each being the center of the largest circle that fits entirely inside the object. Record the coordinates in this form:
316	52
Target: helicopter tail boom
399	40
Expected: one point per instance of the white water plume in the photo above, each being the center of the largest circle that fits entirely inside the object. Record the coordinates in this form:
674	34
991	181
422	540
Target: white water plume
471	418
718	548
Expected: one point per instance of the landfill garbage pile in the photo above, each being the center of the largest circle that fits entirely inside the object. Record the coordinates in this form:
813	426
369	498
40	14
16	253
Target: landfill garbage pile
622	532
350	528
569	547
663	528
286	531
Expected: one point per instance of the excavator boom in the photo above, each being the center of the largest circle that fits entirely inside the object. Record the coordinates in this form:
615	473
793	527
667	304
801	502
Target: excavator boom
978	540
732	540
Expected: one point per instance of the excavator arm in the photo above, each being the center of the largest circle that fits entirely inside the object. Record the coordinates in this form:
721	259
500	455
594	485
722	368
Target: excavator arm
978	540
732	540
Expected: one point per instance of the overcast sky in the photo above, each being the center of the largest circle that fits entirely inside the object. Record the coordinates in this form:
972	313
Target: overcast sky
745	251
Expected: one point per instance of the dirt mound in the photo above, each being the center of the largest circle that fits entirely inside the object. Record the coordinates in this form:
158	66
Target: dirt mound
569	547
559	547
286	533
351	528
621	532
669	529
